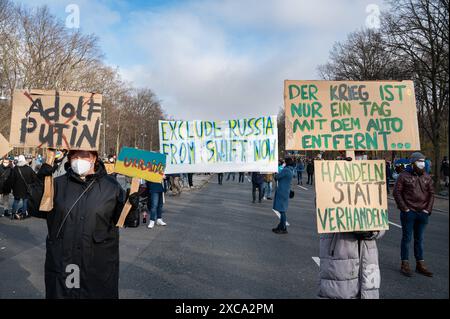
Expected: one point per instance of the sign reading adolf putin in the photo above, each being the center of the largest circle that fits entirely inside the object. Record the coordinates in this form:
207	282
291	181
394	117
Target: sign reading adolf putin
56	119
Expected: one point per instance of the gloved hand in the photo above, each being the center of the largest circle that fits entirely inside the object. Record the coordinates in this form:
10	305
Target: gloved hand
45	170
366	235
134	199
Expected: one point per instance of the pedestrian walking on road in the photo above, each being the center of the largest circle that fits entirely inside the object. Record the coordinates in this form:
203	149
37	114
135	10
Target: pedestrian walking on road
155	203
282	194
257	183
21	178
414	195
445	171
300	168
220	178
191	184
388	175
310	171
268	179
5	185
82	232
231	174
175	183
241	177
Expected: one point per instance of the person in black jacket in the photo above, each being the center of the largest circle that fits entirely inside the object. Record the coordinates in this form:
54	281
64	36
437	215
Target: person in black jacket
310	171
445	170
82	257
257	182
21	177
5	187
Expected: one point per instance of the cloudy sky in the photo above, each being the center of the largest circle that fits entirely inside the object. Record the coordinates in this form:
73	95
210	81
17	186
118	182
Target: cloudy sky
208	59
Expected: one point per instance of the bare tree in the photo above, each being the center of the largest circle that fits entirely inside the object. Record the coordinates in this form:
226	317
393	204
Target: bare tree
38	52
362	57
417	31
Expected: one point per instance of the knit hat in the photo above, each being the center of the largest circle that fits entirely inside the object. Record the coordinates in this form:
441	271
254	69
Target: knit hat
416	156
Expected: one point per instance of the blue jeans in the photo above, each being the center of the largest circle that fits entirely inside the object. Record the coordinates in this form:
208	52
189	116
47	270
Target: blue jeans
268	189
413	224
155	205
16	202
231	175
282	224
299	177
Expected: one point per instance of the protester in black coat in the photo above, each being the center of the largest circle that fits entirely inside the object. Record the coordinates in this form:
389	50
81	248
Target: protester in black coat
310	171
5	187
87	238
19	181
257	183
21	178
5	173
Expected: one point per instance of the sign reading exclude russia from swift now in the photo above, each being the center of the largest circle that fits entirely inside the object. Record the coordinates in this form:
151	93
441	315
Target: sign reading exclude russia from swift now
351	196
142	164
351	115
240	145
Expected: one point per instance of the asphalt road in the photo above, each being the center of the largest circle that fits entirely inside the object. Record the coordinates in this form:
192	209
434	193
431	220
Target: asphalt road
219	245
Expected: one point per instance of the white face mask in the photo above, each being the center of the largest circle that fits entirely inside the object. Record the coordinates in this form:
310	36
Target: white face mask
420	165
81	166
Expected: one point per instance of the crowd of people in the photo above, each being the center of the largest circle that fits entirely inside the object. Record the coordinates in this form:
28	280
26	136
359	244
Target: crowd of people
82	185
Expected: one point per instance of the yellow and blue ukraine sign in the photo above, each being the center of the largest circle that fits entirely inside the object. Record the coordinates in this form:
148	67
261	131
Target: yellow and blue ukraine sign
142	164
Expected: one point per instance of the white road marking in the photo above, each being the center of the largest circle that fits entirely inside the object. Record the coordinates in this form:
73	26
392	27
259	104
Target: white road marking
395	224
316	260
302	187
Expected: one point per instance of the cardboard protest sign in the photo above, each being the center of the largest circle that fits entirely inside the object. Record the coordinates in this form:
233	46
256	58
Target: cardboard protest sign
127	207
139	163
351	196
351	115
5	147
56	119
243	145
47	198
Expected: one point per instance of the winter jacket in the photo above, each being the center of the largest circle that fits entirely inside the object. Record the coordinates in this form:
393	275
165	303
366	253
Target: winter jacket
284	179
19	184
310	168
155	187
300	167
5	173
348	267
257	178
444	168
413	191
88	239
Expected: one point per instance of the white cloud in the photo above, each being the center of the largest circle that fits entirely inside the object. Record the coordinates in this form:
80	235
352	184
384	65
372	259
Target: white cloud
221	59
196	67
